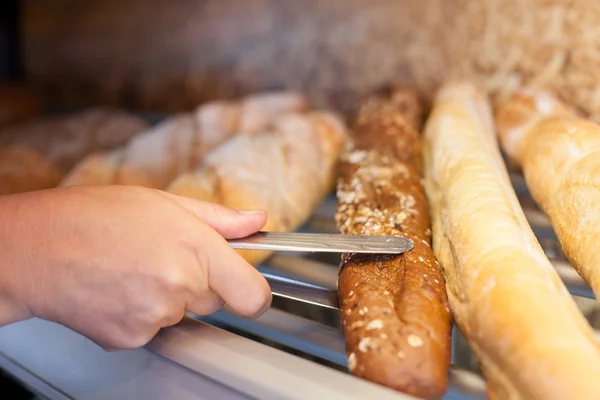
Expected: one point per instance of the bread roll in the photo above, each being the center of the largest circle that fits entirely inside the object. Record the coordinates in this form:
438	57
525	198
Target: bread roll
285	171
394	309
68	139
507	299
180	143
559	154
23	170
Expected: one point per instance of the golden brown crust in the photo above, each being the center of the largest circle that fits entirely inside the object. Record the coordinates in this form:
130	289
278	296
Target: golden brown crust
394	309
23	170
285	171
506	297
560	158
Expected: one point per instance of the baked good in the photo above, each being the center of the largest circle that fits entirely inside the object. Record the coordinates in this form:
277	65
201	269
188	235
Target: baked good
67	139
506	298
394	309
180	143
17	102
285	171
559	154
99	168
23	169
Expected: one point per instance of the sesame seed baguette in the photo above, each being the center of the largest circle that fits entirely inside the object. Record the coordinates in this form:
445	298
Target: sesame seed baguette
394	309
506	298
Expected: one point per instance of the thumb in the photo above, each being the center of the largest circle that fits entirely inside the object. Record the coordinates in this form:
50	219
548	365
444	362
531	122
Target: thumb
229	223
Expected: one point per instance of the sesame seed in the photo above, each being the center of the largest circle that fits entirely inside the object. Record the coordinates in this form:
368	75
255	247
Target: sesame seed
357	324
375	324
364	344
352	361
415	341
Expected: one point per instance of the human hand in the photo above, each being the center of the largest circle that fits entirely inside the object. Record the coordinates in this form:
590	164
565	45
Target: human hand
117	263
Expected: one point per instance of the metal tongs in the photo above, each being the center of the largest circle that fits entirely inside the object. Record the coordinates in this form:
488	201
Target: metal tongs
323	242
316	242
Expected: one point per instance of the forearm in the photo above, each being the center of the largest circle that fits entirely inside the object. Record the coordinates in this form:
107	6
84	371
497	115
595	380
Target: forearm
13	266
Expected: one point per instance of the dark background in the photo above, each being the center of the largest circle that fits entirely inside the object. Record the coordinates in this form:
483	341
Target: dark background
10	57
10	68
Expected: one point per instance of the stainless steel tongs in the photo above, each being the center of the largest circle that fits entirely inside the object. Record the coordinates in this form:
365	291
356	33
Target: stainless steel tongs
323	242
316	242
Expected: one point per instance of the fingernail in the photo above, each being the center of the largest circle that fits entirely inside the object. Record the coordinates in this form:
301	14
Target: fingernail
250	212
264	308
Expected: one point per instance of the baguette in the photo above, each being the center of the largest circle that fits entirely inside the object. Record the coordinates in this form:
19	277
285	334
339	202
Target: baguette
285	171
23	170
559	154
180	143
506	298
394	310
68	139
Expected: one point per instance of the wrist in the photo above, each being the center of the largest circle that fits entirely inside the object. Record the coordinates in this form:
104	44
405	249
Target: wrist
13	266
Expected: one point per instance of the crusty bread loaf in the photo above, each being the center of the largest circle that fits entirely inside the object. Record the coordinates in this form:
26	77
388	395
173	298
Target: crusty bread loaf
100	168
394	309
180	143
285	171
17	103
507	299
68	139
257	112
560	157
155	157
23	169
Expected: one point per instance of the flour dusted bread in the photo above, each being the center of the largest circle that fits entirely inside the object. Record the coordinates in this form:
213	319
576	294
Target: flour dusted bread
285	171
67	139
507	299
155	157
23	170
394	309
180	143
559	154
257	112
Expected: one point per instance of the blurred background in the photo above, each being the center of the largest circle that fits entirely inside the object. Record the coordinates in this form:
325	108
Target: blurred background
163	55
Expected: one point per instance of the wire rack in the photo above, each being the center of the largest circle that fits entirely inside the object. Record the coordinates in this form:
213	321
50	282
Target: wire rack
313	331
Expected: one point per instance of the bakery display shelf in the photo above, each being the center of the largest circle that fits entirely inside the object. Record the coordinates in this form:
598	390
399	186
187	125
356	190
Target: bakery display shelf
313	330
294	351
